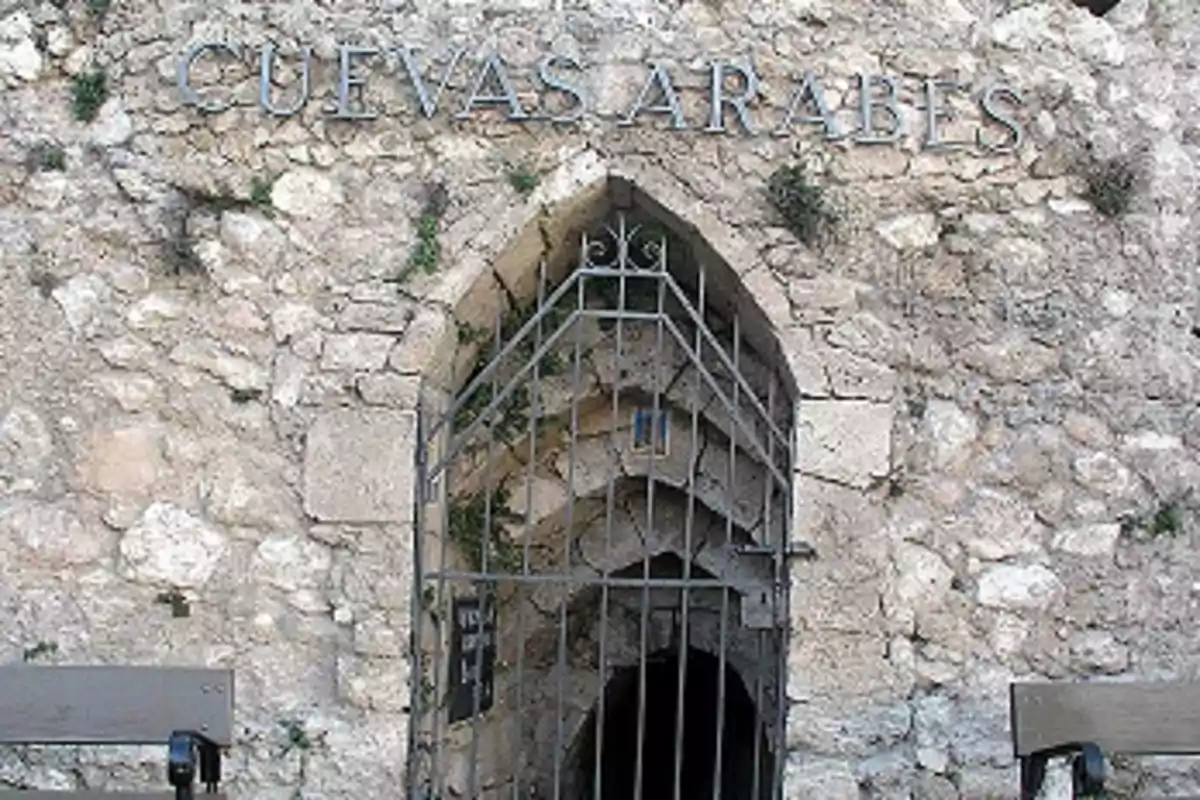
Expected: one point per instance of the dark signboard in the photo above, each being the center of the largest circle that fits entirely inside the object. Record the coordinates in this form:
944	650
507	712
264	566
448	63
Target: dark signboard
472	656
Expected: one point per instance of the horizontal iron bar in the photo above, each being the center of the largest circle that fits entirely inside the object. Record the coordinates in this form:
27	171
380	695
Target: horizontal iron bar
584	580
792	549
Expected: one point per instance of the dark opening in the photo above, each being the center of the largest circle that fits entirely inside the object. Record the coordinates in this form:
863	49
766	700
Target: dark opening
699	737
1098	7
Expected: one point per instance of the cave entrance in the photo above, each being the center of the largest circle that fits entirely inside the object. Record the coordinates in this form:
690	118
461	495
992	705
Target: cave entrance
604	507
714	751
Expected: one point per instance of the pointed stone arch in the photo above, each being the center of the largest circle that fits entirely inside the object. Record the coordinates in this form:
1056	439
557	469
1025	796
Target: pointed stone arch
506	269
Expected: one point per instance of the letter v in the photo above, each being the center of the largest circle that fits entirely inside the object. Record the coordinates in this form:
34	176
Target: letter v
429	104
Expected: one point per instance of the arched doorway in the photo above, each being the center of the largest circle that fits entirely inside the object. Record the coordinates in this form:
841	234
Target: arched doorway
715	752
605	496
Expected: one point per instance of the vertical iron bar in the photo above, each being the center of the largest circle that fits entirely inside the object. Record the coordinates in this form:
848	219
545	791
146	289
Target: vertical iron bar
722	664
568	543
609	512
439	689
768	487
519	713
417	600
645	620
688	525
785	633
779	631
484	562
759	636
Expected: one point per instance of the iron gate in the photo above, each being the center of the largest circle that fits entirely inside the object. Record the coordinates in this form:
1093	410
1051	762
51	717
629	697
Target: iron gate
603	517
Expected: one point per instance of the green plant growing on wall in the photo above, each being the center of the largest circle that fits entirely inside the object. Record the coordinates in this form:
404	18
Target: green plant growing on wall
39	650
49	158
1111	185
523	180
296	736
427	251
89	91
801	203
1166	519
260	195
468	522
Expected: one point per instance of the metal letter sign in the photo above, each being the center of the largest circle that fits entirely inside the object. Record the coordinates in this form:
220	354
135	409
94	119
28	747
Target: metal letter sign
472	657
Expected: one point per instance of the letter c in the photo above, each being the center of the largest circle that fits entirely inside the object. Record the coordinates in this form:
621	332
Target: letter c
190	95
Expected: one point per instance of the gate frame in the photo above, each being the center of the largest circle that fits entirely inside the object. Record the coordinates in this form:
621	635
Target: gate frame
575	190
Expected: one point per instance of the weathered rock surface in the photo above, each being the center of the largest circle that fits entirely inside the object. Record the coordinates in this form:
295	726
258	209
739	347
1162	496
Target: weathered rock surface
213	353
170	547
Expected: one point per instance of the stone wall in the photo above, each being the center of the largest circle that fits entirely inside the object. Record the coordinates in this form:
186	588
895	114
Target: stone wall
208	367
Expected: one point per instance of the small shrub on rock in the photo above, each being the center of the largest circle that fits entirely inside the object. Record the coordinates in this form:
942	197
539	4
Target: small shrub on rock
88	93
1111	184
801	203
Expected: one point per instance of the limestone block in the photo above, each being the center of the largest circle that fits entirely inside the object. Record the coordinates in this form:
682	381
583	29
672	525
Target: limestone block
390	389
55	536
123	462
252	239
25	450
1098	651
1097	540
910	231
825	778
844	726
375	317
823	299
46	190
1016	588
849	441
155	310
292	563
289	376
805	363
359	466
170	546
951	432
363	756
306	193
997	526
1095	39
865	335
376	684
859	378
428	345
989	783
834	665
133	392
1102	473
291	320
113	125
127	352
1025	27
922	577
366	352
20	58
1013	358
931	723
233	370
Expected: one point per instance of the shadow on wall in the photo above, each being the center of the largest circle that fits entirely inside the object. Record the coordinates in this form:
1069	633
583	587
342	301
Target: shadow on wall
708	710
